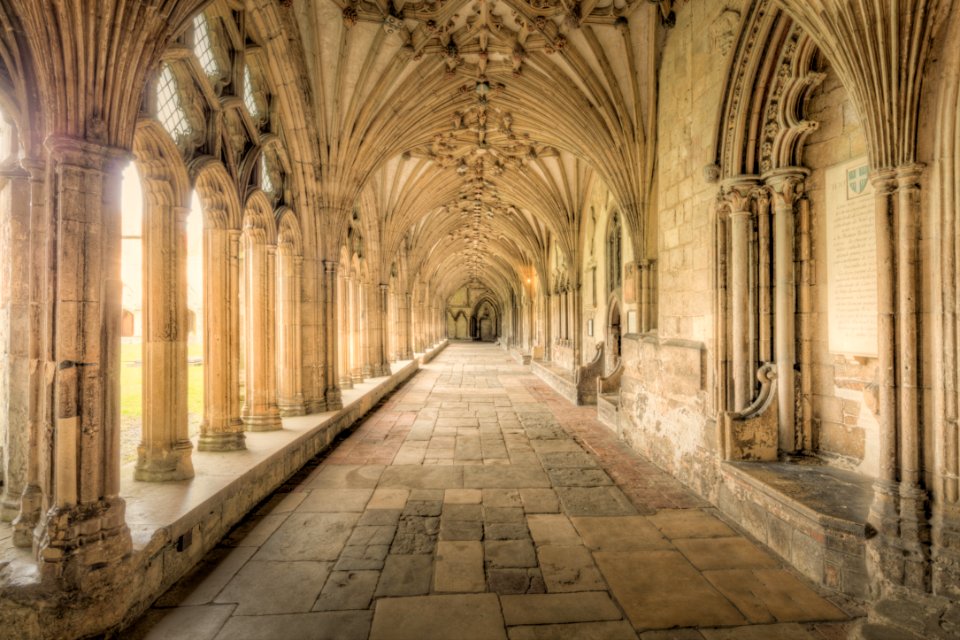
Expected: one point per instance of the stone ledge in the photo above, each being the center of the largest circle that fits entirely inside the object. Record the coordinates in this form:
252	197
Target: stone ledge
560	380
813	516
608	410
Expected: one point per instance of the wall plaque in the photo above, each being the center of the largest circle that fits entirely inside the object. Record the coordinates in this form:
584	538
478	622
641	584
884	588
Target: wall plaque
851	260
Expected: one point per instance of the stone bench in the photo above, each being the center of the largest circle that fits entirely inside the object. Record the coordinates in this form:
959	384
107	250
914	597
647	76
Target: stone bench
812	515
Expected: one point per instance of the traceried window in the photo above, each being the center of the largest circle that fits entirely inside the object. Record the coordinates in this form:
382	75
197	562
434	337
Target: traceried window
614	254
169	109
203	46
248	97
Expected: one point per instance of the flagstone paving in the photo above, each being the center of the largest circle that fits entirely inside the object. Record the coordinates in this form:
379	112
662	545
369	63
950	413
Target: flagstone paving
477	503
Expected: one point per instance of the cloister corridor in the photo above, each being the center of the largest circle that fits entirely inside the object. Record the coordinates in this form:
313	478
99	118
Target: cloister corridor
474	502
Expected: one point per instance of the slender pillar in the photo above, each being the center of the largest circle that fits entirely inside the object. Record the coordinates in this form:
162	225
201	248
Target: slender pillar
83	526
40	351
15	329
332	393
222	428
366	329
260	412
381	364
406	340
786	187
165	450
738	198
290	357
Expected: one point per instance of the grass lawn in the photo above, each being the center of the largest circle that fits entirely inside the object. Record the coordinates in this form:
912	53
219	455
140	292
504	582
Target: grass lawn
131	380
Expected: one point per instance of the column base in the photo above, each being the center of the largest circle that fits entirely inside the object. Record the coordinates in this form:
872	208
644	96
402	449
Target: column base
334	399
356	376
406	355
265	422
222	441
346	383
368	372
382	370
75	543
945	552
10	505
26	521
899	554
316	406
162	465
291	408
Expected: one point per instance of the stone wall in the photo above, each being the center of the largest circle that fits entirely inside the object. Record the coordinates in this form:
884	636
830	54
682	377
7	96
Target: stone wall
666	400
844	386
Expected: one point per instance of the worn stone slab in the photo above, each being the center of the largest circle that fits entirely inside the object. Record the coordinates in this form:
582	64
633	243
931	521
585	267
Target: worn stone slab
463	512
462	496
347	590
182	623
660	589
569	569
512	515
504	477
620	630
460	529
508	581
335	500
619	533
540	500
275	587
423	508
672	634
309	536
203	585
510	553
422	477
388	499
725	553
571	477
690	523
558	608
371	535
362	557
329	625
505	531
346	476
549	529
459	567
405	575
761	632
772	595
595	501
416	535
567	459
464	617
501	498
379	518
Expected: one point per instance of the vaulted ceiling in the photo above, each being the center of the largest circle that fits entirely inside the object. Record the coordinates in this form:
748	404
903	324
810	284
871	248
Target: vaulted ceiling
476	130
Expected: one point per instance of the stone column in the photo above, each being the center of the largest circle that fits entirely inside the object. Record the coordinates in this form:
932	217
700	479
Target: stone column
346	343
332	394
738	196
83	525
40	351
289	360
312	378
367	329
384	321
15	328
406	340
165	450
222	428
260	412
786	187
356	326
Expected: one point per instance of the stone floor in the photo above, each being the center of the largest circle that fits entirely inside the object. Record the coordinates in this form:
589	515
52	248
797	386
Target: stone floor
477	503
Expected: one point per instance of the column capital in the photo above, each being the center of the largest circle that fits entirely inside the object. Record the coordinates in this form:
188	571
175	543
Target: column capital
908	175
884	180
86	154
786	185
736	193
